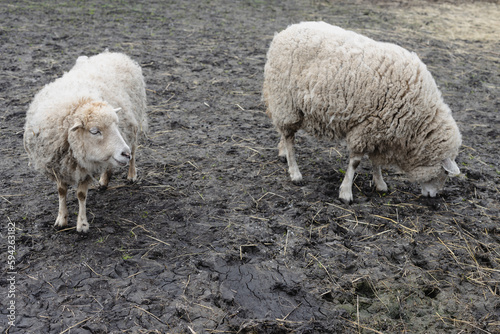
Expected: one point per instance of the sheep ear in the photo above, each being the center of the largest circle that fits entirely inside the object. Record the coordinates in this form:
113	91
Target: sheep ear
78	124
117	109
451	167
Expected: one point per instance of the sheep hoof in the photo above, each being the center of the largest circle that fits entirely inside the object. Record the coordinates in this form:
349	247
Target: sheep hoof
299	183
83	227
61	222
346	198
102	187
382	188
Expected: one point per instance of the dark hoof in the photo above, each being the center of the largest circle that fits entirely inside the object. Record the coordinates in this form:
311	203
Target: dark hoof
344	201
102	188
299	183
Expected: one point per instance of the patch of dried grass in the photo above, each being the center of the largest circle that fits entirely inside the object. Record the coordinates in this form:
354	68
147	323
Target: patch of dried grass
461	27
463	24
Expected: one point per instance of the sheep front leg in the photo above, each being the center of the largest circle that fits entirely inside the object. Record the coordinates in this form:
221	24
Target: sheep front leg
346	186
378	180
293	168
62	215
105	177
81	193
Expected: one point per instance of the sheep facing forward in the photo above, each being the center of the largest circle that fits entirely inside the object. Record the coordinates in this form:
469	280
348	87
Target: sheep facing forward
377	96
84	124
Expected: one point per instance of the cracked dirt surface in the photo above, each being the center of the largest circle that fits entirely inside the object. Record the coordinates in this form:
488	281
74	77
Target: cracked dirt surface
214	237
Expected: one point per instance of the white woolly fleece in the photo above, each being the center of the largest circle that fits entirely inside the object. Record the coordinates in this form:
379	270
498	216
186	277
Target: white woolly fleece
377	96
111	78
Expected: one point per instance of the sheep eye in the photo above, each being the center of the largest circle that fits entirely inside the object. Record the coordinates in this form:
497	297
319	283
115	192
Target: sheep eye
95	131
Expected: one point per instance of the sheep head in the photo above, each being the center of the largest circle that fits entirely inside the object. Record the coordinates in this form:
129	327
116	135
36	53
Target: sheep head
433	186
95	138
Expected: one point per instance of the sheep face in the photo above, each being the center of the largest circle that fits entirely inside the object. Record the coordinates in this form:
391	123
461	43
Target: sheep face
95	138
432	187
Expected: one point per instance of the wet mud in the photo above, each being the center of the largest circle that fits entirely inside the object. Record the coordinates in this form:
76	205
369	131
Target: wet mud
214	237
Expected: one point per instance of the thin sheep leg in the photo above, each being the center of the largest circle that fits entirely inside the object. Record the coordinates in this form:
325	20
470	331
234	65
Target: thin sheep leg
132	172
81	193
62	215
346	186
378	180
293	168
282	147
105	177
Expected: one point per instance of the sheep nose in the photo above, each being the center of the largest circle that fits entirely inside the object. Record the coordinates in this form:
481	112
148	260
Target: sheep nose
126	155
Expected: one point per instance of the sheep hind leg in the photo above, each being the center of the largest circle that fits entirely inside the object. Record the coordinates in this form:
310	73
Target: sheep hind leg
378	179
345	193
62	215
132	171
293	168
282	149
82	224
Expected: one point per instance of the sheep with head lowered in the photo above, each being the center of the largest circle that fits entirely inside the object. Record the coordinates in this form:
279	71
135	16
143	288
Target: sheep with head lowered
84	124
377	96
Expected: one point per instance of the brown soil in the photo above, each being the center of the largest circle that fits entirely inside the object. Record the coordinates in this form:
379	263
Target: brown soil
214	237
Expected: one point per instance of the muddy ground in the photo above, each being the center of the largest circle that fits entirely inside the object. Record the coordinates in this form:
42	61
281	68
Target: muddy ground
214	237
